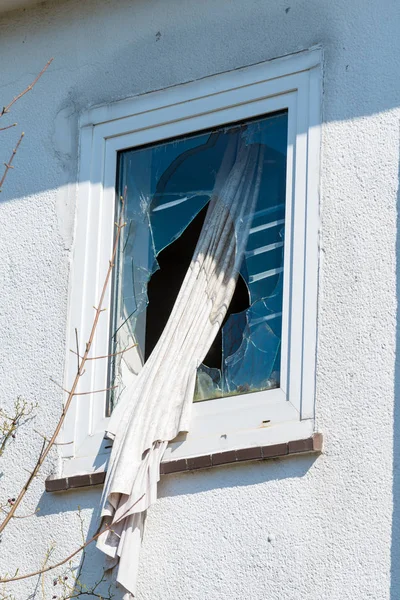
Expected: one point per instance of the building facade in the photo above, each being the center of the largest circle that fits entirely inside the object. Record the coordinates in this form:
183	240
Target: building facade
316	525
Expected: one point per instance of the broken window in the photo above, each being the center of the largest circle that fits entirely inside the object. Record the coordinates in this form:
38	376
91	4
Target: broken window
168	187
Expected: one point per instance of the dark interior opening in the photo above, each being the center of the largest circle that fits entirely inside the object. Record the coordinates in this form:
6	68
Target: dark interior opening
165	284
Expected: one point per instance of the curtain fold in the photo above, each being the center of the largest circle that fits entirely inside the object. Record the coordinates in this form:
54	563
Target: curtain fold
158	404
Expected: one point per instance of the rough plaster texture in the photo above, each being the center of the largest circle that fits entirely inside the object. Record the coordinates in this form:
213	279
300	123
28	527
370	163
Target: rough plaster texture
298	529
9	5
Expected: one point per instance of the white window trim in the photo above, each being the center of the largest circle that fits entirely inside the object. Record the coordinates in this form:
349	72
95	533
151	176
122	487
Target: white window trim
292	82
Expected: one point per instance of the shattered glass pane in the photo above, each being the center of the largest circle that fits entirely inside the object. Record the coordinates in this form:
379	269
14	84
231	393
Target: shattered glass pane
208	383
168	186
250	368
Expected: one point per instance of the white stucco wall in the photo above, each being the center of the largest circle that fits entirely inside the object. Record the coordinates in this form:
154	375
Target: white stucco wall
296	529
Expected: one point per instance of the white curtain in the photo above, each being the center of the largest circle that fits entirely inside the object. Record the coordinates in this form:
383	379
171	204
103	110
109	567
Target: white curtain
158	405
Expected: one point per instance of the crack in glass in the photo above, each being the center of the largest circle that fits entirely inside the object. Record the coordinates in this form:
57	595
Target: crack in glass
168	186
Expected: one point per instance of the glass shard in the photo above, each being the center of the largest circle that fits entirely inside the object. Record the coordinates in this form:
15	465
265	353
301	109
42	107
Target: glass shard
168	188
208	383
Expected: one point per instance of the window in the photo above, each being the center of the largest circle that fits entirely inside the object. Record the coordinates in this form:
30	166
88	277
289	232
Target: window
256	384
168	187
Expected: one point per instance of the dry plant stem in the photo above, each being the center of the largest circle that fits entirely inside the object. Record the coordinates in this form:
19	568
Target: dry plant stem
7	436
59	564
8	127
11	424
84	393
96	391
8	165
49	444
6	109
107	355
62	562
21	516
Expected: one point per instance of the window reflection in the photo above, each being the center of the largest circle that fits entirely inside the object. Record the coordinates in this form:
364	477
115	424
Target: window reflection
168	188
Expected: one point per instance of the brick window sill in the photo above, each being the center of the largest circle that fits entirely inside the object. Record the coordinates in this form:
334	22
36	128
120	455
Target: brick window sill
311	445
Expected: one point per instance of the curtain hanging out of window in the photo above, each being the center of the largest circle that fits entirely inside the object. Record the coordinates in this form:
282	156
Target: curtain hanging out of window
157	406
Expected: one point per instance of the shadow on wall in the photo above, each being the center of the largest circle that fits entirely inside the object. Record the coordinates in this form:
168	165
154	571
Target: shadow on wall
183	484
112	79
228	476
231	476
60	97
91	564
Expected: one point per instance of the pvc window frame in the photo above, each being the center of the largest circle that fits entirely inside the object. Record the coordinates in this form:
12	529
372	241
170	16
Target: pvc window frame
292	83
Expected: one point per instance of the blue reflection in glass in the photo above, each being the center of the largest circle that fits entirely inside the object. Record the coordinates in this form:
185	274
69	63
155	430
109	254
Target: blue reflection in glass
167	186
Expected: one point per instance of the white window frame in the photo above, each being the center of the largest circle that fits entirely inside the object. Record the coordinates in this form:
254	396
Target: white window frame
292	83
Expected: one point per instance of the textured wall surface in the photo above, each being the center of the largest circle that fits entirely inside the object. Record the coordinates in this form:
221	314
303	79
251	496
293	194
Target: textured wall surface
9	5
298	529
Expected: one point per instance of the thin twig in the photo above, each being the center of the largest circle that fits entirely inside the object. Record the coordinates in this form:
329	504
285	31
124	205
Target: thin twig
107	355
8	127
58	384
8	165
46	560
41	434
8	430
59	564
8	434
107	527
21	516
46	448
6	109
82	393
94	391
32	474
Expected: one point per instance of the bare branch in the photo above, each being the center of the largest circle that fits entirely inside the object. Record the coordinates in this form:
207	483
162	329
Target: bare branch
6	109
41	435
21	516
10	424
95	391
8	165
8	127
82	393
107	527
107	355
47	446
58	384
55	565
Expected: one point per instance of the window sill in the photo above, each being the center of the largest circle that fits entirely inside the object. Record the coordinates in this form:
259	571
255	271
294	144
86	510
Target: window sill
311	445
